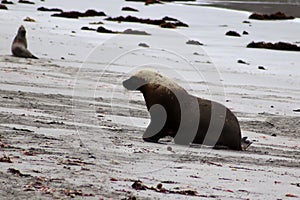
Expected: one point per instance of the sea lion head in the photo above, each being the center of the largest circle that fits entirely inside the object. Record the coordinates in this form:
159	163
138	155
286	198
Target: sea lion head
21	31
149	78
134	83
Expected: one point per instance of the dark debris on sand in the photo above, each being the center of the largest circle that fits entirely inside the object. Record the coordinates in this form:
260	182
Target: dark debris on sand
6	159
167	25
139	185
233	33
76	14
147	2
275	16
49	9
159	22
261	68
7	2
154	0
3	7
194	42
135	32
101	29
275	46
143	45
26	2
85	28
242	62
17	172
129	9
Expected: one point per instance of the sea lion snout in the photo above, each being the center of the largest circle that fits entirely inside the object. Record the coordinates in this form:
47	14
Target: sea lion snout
133	83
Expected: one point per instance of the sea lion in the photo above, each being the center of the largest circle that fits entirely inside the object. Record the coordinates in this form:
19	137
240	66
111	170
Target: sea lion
186	118
19	45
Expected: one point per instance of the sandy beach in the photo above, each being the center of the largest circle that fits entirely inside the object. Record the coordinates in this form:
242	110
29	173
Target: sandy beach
69	129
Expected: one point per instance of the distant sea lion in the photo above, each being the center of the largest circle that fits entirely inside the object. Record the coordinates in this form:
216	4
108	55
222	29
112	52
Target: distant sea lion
173	110
19	45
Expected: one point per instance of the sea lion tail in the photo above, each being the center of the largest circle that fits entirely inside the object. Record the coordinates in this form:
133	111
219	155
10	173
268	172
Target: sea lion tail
245	143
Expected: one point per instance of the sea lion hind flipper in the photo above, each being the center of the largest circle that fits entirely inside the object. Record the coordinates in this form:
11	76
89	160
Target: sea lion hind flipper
22	52
34	57
27	54
245	143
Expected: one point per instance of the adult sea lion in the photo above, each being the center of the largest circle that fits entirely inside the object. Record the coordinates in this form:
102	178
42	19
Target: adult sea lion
19	45
186	118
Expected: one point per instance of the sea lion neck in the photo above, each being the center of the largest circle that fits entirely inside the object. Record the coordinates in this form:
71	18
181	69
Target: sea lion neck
22	33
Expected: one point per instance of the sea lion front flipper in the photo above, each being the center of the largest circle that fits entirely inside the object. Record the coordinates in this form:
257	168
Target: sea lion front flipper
34	57
156	129
220	147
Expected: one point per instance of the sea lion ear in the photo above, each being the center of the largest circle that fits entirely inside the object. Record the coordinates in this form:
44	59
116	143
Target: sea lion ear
133	83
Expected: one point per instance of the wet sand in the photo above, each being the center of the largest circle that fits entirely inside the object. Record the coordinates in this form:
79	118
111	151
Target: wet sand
60	154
